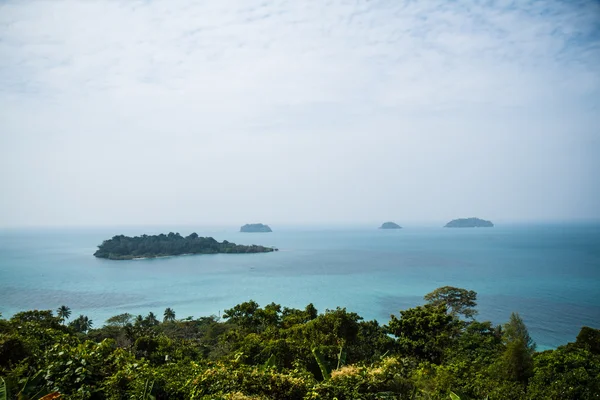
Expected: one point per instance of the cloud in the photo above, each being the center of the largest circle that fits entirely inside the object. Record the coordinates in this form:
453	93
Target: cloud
357	109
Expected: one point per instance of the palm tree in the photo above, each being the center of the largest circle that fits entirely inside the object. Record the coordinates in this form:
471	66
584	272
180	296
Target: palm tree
81	324
151	319
169	315
63	313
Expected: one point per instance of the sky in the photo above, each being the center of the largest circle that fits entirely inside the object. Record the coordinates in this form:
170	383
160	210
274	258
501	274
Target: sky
124	112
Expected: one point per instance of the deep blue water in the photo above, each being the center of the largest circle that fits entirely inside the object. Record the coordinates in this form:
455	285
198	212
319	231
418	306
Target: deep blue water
549	274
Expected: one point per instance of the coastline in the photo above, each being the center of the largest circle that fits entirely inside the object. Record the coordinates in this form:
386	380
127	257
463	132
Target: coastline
183	254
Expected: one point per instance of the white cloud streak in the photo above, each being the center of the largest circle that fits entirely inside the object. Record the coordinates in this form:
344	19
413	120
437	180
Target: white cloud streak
130	112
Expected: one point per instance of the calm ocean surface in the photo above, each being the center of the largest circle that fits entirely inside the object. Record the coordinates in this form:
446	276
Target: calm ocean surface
549	274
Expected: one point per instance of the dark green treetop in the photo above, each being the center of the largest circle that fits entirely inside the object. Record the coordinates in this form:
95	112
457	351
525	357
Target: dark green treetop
458	301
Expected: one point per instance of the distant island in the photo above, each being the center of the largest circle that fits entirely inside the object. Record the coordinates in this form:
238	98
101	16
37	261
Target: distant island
255	228
128	248
469	223
390	225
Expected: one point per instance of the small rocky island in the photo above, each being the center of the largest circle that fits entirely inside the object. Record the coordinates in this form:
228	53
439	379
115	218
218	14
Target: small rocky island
255	228
469	223
390	225
129	248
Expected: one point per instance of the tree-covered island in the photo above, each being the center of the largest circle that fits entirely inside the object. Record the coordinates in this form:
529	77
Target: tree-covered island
122	247
390	225
469	223
255	228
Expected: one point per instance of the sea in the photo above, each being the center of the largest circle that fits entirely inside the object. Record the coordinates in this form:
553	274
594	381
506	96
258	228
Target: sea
548	273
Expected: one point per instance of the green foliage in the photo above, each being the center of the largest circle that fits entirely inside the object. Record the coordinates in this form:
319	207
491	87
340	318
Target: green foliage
424	332
122	247
275	352
13	349
43	319
63	313
371	344
81	324
458	301
27	335
221	378
517	360
589	339
151	320
270	363
146	395
325	373
479	342
79	370
247	315
567	373
120	320
169	315
32	387
387	379
3	391
292	316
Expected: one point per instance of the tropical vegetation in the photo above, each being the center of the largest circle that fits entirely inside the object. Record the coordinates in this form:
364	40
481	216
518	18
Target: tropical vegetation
437	350
122	247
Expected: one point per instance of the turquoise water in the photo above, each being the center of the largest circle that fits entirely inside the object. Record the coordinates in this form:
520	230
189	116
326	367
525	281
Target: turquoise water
550	274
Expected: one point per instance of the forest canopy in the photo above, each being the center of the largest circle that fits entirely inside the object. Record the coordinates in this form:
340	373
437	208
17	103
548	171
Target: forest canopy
274	352
122	247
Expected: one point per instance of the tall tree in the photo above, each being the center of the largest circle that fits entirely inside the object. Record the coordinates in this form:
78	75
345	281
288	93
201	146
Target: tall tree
139	320
151	319
169	315
518	355
589	338
245	315
424	331
119	320
458	301
63	313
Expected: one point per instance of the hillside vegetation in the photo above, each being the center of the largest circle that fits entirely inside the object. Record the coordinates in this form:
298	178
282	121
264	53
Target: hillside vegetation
433	351
122	247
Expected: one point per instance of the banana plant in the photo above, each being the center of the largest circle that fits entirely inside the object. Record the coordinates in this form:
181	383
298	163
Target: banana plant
322	365
270	363
341	357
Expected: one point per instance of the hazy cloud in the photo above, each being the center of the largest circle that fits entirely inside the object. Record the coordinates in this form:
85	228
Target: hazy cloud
131	112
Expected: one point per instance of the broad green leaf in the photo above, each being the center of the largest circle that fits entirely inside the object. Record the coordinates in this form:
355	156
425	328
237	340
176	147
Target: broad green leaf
454	396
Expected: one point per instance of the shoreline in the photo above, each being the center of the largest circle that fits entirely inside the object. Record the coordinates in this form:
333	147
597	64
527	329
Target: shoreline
184	254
